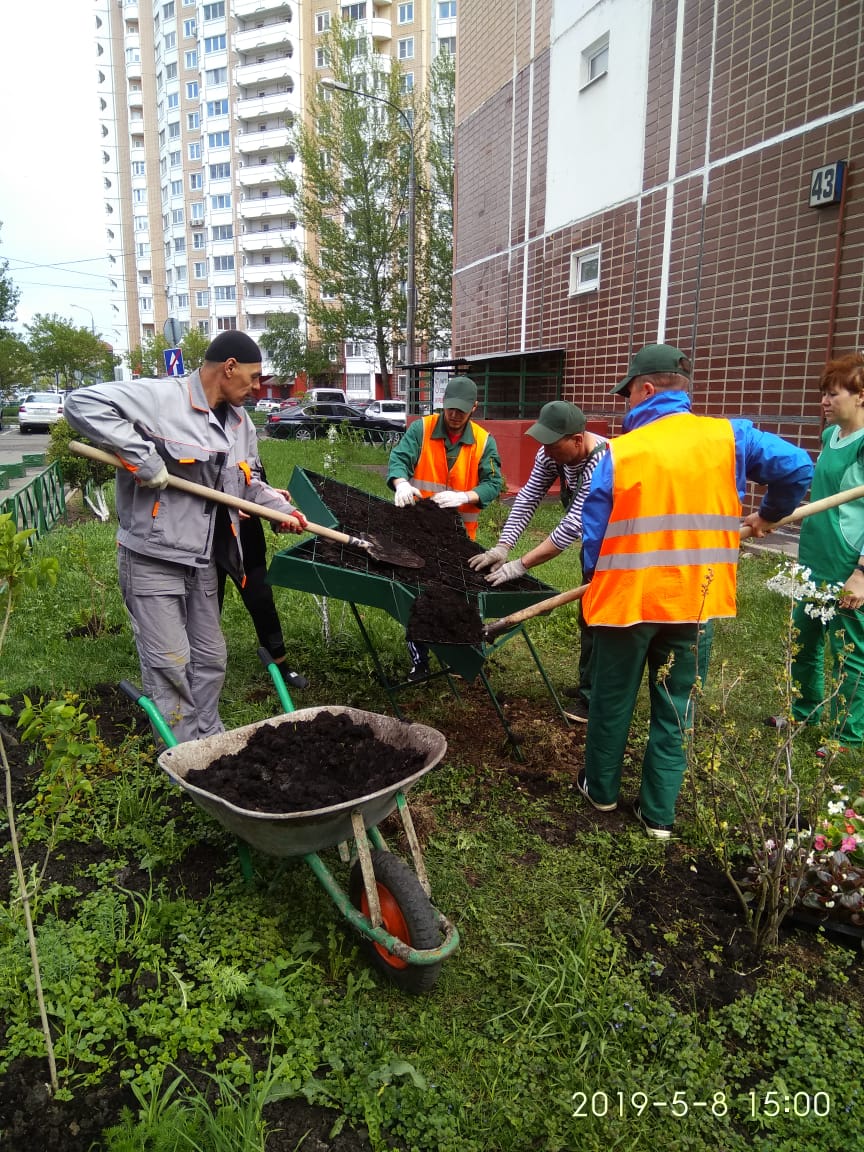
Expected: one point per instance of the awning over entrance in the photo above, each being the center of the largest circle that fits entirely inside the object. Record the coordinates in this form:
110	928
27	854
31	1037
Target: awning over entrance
510	385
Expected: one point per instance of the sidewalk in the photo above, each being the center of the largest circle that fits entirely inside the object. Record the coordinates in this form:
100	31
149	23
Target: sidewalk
784	540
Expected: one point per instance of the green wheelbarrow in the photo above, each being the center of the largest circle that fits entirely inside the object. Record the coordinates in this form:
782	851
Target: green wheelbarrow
401	933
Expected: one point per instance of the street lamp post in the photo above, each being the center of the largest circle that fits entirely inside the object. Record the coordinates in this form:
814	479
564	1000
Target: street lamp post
92	318
411	309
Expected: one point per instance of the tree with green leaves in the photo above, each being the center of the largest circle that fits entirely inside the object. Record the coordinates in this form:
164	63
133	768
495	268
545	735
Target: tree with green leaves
352	199
67	352
291	351
193	345
16	363
9	294
434	259
146	358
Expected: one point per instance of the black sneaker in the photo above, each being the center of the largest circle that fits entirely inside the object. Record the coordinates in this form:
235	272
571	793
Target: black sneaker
418	672
577	711
583	788
655	831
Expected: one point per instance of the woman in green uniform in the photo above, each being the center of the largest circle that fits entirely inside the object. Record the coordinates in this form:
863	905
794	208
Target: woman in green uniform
832	547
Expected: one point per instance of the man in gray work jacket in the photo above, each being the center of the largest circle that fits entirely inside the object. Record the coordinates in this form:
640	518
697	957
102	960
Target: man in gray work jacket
170	541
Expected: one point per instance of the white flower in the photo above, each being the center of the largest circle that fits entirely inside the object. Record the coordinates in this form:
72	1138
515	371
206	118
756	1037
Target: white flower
835	807
790	844
838	787
829	903
770	845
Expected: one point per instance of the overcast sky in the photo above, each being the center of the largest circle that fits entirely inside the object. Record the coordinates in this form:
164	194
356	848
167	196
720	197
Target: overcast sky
51	206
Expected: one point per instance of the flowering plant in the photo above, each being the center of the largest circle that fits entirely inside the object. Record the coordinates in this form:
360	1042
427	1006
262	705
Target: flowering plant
795	580
826	862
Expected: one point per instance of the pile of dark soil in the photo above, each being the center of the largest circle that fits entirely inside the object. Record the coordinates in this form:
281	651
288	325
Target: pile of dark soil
442	615
302	765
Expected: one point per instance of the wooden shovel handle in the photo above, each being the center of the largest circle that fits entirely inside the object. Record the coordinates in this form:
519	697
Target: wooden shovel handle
217	497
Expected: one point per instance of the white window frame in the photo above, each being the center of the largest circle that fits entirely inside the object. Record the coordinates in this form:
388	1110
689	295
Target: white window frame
322	22
595	61
406	13
582	278
406	48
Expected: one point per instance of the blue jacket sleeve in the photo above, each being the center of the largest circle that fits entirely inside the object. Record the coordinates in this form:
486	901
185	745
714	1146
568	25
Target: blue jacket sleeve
595	514
767	459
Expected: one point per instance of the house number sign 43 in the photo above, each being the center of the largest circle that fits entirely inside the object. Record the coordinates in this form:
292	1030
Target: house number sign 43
826	184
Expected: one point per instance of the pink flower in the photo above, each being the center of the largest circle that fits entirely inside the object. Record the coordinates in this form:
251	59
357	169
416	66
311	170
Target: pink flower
849	844
850	813
820	843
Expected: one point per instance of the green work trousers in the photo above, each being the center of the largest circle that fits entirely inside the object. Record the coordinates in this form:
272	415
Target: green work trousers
619	659
846	629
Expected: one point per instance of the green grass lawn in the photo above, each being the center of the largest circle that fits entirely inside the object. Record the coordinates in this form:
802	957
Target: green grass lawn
544	1032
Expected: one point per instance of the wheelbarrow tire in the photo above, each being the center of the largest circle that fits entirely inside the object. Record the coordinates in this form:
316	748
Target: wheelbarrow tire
407	913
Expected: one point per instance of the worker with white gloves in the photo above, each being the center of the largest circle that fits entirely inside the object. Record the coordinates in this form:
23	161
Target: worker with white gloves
448	458
568	453
170	542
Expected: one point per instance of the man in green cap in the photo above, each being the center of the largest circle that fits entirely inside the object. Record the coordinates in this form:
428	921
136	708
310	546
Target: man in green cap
567	453
450	459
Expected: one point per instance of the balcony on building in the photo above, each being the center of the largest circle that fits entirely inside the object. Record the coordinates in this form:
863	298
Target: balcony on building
278	34
273	240
266	273
265	208
135	97
252	175
254	140
260	72
274	104
247	9
380	29
267	305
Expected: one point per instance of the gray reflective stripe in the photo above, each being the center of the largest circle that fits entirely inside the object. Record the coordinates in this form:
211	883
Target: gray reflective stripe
669	558
429	484
685	522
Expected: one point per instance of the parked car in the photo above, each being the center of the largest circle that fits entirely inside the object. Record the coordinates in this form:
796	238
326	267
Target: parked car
40	410
267	405
396	411
326	395
312	422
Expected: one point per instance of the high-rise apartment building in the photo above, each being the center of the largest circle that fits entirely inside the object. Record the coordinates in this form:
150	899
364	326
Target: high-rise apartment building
196	102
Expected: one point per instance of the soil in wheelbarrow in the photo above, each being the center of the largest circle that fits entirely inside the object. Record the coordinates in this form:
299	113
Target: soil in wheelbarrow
299	766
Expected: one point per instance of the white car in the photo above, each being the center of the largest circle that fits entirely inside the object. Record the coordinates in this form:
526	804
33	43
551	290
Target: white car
267	405
393	411
40	410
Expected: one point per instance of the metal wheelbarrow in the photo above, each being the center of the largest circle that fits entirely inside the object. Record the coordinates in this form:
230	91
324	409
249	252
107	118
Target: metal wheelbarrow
402	934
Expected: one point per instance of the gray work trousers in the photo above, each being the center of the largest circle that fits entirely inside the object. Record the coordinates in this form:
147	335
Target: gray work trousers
174	611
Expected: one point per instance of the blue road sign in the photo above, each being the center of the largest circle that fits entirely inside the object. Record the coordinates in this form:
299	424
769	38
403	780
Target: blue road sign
173	362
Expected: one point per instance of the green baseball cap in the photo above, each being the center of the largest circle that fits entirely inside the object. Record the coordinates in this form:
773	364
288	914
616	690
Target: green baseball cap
461	393
557	419
655	358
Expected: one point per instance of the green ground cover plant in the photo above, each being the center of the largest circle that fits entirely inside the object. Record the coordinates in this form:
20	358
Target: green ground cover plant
577	1014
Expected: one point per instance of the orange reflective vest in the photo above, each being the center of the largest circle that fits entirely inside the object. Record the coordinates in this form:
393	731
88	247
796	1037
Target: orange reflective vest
432	475
670	551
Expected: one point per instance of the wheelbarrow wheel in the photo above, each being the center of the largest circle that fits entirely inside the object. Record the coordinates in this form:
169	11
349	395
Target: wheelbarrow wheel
406	913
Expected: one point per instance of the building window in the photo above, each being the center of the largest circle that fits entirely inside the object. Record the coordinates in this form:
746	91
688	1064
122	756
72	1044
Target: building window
218	139
168	10
194	151
222	232
406	13
220	171
202	299
192	90
353	349
447	44
179	245
196	210
225	292
176	187
214	11
198	240
199	270
214	43
139	223
406	48
171	71
139	168
357	382
174	130
226	323
223	263
173	100
216	76
353	11
585	270
190	59
170	41
196	181
193	121
183	300
181	272
190	29
322	22
217	107
139	196
447	10
595	61
406	82
321	58
177	216
174	159
142	250
223	200
146	303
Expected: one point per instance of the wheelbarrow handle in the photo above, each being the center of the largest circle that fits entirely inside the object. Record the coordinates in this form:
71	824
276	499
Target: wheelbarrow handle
247	506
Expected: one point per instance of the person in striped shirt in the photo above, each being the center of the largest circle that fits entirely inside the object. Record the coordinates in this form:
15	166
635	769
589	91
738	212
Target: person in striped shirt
568	453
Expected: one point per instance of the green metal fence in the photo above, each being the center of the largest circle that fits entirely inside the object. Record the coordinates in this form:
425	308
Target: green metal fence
39	504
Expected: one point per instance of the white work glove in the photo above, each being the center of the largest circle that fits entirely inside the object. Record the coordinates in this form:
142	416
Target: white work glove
160	480
493	559
450	499
511	571
406	494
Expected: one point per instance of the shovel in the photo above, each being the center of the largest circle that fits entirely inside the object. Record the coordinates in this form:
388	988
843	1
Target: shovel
371	546
490	631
